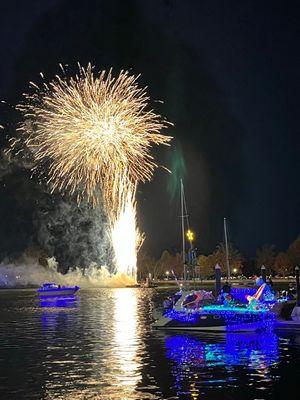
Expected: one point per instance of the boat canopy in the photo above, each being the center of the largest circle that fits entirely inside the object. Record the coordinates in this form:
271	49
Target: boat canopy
49	285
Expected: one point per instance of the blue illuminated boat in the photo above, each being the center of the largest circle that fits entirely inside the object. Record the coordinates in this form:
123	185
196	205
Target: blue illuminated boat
51	289
192	312
200	311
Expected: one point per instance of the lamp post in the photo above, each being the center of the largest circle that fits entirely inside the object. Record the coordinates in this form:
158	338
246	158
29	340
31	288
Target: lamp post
296	311
218	279
263	273
297	286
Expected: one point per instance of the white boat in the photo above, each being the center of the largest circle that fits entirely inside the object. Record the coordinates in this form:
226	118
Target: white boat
51	289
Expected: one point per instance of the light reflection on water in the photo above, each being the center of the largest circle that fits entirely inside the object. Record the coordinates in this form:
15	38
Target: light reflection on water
115	367
99	345
126	337
195	357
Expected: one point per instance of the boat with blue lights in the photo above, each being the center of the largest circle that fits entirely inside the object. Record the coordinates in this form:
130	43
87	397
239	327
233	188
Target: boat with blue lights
230	310
200	311
51	289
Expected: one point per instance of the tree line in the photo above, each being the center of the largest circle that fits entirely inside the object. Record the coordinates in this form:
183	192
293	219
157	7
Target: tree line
277	263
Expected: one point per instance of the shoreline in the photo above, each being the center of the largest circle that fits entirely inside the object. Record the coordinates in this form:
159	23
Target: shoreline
172	283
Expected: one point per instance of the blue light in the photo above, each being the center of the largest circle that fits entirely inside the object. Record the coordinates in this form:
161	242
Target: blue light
240	294
59	301
56	312
182	316
232	309
193	355
235	318
243	318
232	349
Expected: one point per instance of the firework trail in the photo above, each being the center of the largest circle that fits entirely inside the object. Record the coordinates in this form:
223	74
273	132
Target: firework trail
91	135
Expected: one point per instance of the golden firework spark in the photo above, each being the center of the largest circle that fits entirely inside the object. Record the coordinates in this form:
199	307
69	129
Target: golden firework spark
93	134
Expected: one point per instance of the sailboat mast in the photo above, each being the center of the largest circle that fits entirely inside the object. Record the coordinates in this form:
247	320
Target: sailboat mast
182	229
226	248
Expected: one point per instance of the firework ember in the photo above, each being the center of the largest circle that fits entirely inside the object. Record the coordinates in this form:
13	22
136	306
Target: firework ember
92	135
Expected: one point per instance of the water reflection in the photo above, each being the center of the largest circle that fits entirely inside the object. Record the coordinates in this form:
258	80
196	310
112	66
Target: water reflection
59	302
102	347
195	357
109	341
126	339
54	311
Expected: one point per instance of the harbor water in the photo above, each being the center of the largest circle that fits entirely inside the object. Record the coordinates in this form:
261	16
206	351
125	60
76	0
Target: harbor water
100	345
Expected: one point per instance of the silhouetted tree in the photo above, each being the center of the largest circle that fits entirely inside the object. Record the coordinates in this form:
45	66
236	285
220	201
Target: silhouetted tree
283	264
249	267
205	266
234	256
294	252
145	265
266	256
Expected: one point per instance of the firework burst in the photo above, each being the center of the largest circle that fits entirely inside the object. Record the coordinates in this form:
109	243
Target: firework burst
92	136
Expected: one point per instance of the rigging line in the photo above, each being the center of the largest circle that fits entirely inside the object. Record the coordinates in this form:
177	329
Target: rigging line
228	234
185	210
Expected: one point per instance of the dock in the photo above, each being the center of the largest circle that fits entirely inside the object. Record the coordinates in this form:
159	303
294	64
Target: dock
287	325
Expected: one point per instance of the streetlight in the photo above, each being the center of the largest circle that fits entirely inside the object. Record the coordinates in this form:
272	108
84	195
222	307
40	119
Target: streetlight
234	270
167	274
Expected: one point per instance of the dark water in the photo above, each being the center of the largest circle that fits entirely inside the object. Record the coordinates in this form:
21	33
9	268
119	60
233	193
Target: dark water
102	347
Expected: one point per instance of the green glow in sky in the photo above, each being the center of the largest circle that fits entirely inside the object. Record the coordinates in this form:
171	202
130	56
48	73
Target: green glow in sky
178	171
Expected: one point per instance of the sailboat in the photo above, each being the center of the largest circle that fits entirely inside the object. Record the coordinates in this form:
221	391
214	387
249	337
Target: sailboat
200	310
185	221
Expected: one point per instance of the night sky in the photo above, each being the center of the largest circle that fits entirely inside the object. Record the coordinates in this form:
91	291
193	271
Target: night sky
227	72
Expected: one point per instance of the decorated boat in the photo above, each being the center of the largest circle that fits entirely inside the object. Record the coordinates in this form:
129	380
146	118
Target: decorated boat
250	310
51	289
199	310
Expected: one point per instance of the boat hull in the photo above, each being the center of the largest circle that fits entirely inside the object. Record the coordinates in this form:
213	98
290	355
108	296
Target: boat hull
221	328
214	322
57	292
